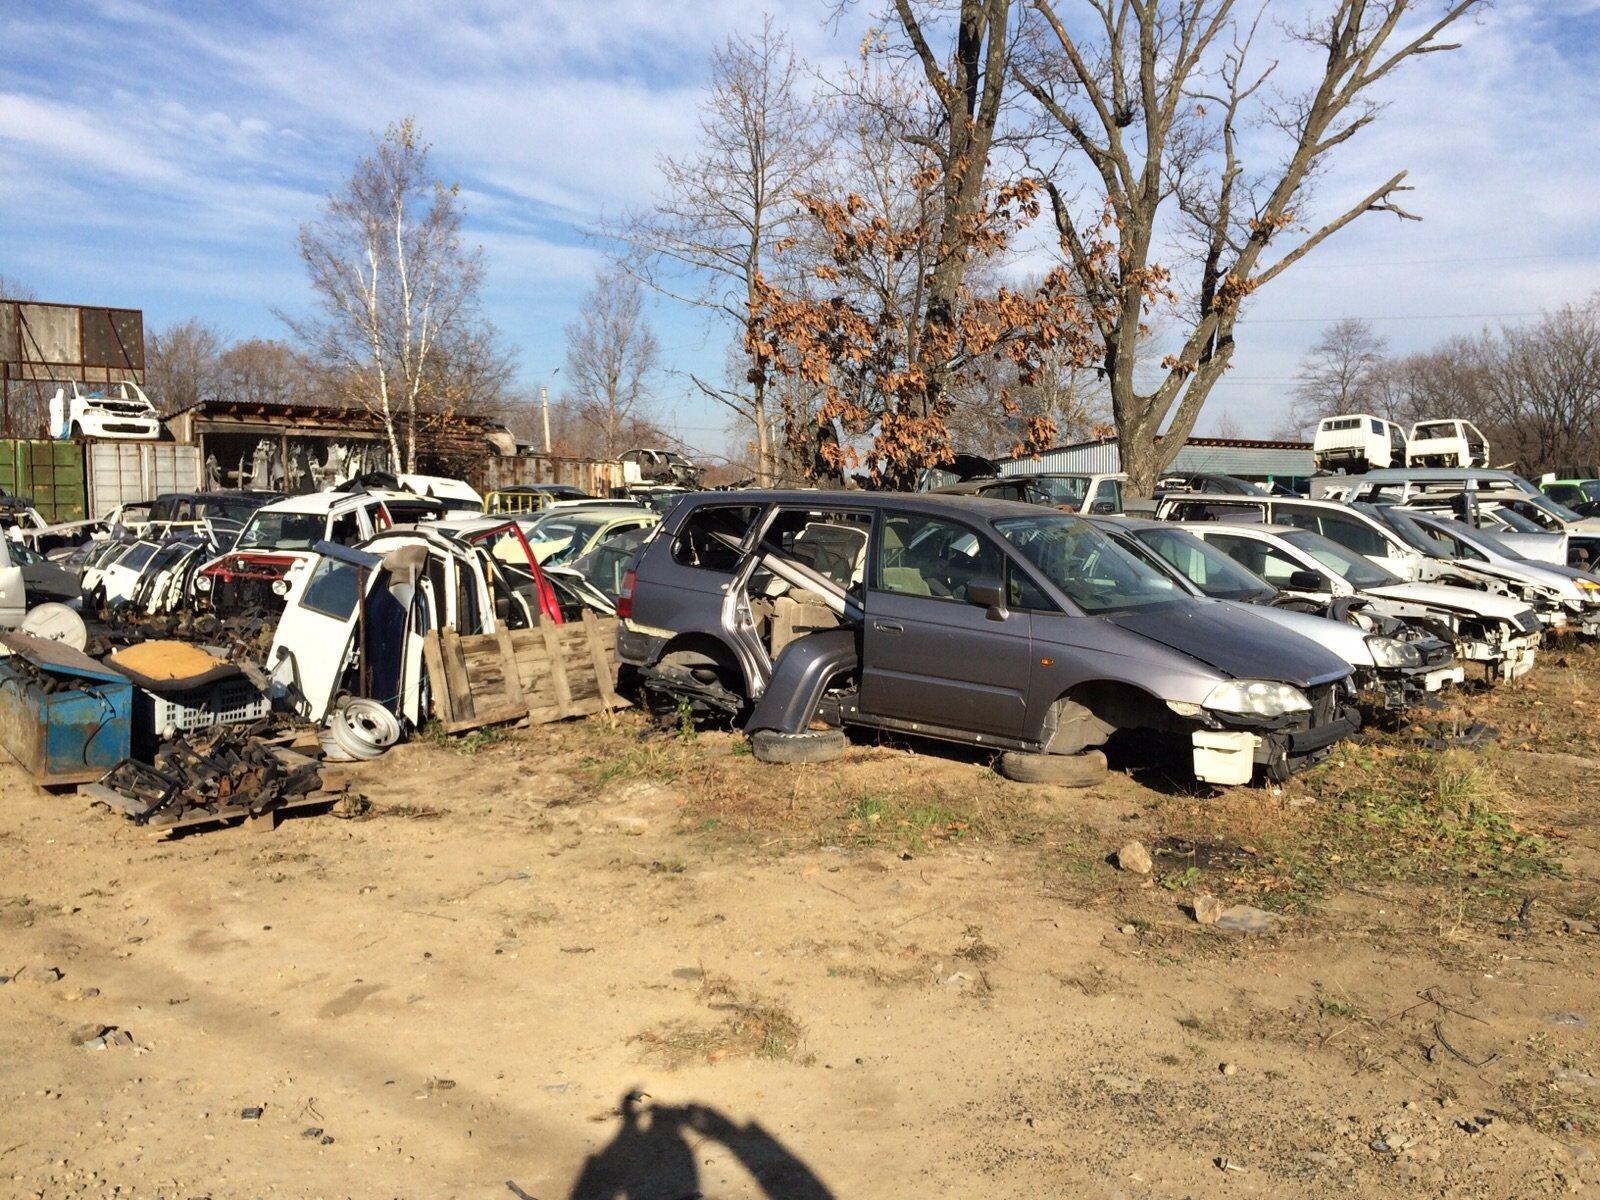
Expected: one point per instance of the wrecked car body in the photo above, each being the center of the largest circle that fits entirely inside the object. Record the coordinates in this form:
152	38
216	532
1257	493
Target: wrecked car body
1500	634
1395	666
971	620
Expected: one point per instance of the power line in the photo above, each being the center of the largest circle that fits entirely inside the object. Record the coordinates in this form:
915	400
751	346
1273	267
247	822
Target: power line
1397	317
1436	262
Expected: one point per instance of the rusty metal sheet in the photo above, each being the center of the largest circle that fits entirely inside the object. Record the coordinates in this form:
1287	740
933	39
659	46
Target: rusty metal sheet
113	337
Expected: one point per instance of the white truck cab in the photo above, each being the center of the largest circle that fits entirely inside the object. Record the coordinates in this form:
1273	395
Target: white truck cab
119	410
1447	444
1358	443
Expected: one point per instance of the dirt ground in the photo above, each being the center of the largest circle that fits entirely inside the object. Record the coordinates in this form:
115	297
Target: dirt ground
601	960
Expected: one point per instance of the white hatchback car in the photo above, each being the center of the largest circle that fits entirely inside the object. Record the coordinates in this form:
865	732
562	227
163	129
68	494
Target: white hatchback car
122	410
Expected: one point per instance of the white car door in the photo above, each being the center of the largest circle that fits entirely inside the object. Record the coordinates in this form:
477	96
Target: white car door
313	641
13	594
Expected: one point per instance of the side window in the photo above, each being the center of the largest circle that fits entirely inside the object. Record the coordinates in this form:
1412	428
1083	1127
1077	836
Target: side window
924	556
332	590
1107	497
1299	518
832	543
1022	592
710	537
345	530
1397	442
1353	535
1259	557
1377	426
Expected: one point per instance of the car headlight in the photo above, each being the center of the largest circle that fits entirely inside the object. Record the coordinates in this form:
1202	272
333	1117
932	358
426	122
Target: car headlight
1256	697
1392	652
280	587
202	583
1589	588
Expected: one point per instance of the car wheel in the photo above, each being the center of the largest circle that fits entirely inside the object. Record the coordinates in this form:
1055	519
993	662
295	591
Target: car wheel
812	746
1061	770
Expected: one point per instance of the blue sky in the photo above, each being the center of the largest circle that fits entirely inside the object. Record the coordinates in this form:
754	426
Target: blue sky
160	156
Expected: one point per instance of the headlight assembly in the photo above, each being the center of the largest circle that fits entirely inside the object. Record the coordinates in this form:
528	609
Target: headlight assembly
1392	652
202	583
280	587
1256	697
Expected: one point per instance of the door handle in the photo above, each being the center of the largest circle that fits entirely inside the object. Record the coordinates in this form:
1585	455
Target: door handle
888	626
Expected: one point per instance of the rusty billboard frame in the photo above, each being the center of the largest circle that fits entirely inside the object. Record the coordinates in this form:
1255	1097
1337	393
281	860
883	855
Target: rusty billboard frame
44	342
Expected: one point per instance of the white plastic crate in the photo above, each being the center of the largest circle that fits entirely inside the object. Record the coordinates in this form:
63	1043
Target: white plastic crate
231	702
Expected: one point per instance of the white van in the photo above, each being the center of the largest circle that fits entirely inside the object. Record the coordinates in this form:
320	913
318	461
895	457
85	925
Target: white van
1447	444
1358	443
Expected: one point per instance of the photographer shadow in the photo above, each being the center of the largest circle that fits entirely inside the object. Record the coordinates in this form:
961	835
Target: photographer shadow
654	1156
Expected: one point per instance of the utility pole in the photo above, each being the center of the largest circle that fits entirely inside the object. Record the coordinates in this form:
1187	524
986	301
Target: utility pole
544	408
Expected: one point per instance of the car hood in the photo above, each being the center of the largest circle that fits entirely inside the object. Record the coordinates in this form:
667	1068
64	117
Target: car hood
1453	599
1236	641
1337	637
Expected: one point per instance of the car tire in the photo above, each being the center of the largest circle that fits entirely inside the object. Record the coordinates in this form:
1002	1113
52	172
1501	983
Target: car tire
812	746
1061	770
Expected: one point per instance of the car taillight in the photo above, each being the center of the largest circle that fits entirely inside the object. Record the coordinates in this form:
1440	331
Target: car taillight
625	596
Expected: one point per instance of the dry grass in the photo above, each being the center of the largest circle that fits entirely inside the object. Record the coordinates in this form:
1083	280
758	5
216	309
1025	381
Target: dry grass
748	1027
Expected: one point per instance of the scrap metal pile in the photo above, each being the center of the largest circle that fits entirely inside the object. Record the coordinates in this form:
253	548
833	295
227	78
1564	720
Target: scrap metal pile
210	610
227	770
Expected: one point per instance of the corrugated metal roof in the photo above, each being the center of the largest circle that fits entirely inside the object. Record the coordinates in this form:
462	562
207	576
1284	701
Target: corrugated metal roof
1245	457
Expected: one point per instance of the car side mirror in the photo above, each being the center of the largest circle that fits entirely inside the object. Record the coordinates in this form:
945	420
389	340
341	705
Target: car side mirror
1307	581
990	594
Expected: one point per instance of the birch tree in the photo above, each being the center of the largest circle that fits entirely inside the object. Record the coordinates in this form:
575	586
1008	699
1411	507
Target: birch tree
396	288
1149	111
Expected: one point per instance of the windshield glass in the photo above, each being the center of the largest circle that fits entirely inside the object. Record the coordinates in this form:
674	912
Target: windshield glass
1540	500
607	563
282	531
1438	429
1403	526
1354	569
1068	491
1516	521
576	532
1098	575
230	510
1208	568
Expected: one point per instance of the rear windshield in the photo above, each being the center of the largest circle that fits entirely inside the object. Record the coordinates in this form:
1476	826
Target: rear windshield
1436	429
1098	575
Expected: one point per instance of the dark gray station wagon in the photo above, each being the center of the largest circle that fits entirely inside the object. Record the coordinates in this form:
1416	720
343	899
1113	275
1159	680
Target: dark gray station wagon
956	617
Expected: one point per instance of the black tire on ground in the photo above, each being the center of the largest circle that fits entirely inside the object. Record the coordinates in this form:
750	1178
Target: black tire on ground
812	746
1062	770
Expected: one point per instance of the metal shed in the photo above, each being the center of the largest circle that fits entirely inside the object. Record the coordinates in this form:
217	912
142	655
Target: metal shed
1246	458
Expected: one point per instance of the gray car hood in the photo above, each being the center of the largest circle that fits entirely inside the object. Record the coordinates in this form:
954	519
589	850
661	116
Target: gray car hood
1236	642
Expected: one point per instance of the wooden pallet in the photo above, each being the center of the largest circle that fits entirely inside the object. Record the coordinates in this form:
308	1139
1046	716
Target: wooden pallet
543	674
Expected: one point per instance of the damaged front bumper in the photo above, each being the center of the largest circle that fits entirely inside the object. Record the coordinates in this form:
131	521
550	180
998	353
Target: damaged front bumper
1236	746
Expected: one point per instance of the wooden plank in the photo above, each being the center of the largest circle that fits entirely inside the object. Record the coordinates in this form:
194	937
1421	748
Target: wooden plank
455	672
508	667
438	687
558	667
600	660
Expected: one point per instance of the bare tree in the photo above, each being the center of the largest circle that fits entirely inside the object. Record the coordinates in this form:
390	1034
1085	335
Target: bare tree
1156	101
180	364
1541	386
397	289
723	210
611	359
1344	372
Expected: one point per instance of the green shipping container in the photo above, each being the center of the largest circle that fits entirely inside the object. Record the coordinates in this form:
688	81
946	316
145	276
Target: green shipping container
49	473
